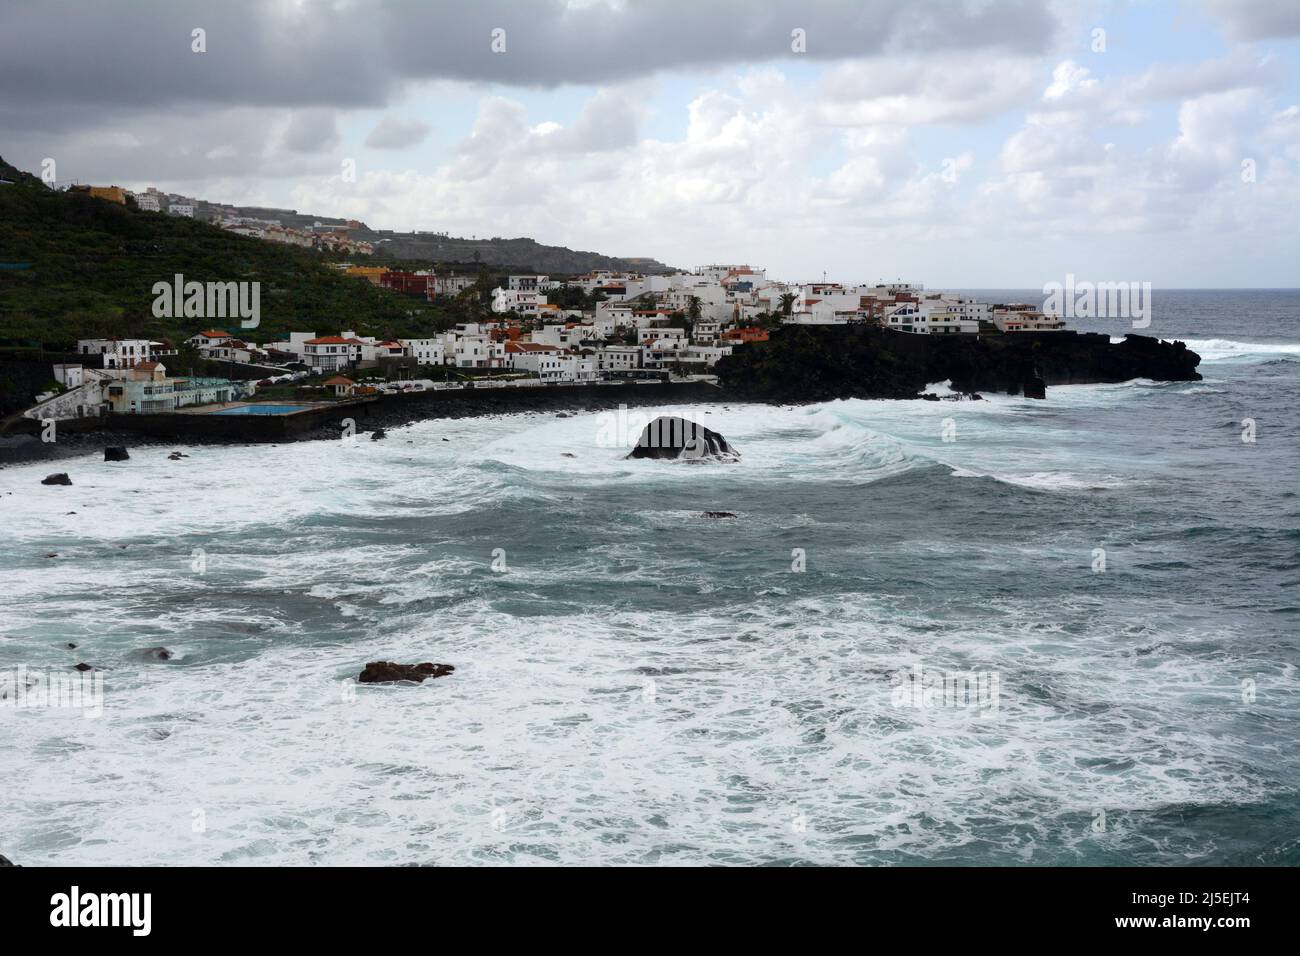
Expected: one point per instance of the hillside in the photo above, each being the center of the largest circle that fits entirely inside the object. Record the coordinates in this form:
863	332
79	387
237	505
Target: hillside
73	266
433	247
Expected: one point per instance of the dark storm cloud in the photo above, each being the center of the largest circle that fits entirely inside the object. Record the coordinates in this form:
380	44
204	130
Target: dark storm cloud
61	57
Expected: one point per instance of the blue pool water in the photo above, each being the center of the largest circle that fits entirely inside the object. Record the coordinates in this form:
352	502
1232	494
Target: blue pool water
262	410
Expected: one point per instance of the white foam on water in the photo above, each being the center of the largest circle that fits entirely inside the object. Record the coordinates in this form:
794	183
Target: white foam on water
549	744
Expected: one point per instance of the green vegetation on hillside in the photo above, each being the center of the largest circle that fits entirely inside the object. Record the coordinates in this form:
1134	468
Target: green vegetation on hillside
73	266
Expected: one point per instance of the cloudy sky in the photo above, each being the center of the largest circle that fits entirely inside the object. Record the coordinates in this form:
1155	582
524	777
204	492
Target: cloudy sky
989	143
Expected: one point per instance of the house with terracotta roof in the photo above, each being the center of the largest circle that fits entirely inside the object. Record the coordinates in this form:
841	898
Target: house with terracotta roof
342	385
329	353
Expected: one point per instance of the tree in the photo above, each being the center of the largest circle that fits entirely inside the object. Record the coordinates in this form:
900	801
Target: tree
693	310
787	303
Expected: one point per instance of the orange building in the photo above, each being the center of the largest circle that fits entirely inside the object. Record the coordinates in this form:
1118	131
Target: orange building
745	334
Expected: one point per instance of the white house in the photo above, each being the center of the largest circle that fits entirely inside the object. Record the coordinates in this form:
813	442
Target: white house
117	353
619	358
424	351
329	353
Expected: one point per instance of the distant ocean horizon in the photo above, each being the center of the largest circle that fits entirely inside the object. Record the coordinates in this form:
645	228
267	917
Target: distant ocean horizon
1007	632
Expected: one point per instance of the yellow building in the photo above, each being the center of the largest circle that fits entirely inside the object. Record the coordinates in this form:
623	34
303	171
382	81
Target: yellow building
371	273
112	193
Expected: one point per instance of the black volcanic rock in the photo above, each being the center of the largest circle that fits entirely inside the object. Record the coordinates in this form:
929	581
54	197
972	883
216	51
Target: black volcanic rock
5	861
679	439
60	479
377	434
116	453
820	363
385	672
1035	388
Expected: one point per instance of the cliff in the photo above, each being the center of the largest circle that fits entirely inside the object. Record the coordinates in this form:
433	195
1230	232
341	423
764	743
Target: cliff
818	363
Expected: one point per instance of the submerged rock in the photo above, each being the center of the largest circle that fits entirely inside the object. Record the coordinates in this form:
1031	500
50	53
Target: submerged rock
384	672
177	456
116	453
156	654
60	479
717	514
83	666
679	439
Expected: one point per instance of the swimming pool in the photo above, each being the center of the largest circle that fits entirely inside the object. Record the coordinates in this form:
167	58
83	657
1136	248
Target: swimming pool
261	409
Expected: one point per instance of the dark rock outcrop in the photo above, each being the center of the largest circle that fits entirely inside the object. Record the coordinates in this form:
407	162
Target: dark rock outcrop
83	666
384	672
717	514
377	434
116	453
60	479
679	439
820	363
5	861
156	654
1034	388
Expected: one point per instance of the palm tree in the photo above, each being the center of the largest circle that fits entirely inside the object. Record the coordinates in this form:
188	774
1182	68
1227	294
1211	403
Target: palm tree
787	303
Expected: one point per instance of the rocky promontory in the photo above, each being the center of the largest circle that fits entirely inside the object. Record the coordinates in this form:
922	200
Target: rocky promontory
820	363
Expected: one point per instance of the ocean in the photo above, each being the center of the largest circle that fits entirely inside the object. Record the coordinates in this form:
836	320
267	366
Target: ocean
1007	632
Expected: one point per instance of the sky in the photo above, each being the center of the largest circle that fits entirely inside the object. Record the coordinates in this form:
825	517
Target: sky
958	143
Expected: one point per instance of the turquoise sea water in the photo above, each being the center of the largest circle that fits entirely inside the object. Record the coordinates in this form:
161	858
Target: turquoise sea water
637	684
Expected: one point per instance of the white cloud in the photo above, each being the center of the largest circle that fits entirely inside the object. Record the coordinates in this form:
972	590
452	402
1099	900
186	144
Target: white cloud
395	132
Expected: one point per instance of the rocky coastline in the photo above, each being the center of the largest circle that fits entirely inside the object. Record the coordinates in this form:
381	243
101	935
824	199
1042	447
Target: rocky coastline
799	365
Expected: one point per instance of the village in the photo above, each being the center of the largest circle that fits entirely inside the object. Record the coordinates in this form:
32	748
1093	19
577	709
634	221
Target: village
596	328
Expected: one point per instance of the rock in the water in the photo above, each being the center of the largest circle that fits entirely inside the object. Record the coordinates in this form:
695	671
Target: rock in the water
116	453
679	439
562	415
377	434
1035	388
717	514
177	456
384	672
156	654
567	454
83	666
60	479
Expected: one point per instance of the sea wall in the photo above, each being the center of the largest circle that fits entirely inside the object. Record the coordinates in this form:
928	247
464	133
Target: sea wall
387	411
